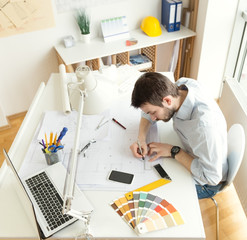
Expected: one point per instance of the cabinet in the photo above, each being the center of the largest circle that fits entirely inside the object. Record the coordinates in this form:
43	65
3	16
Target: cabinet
97	48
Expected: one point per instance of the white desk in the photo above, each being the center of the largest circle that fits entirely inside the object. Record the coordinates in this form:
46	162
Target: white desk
105	223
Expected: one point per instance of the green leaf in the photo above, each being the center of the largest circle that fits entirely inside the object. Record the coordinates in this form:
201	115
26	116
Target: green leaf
83	22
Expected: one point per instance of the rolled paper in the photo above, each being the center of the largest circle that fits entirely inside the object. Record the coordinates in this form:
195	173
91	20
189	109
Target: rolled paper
64	89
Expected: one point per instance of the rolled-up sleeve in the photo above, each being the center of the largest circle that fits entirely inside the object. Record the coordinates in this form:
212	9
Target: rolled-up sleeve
208	150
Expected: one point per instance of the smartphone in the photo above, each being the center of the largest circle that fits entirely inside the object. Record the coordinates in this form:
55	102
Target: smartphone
162	172
121	177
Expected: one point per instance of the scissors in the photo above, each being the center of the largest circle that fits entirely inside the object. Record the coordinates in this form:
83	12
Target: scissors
54	148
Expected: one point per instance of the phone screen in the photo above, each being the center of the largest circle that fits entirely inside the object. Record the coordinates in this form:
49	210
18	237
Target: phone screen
121	177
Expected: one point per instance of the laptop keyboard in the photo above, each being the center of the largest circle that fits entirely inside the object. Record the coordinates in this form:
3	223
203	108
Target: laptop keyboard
48	199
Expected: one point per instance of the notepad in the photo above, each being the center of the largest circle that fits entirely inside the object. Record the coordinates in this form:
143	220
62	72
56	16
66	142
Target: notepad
115	28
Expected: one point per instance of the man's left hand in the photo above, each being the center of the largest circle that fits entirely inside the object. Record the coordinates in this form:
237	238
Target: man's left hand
159	150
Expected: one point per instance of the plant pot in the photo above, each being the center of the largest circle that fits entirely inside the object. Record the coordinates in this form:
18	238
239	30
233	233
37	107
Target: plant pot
85	38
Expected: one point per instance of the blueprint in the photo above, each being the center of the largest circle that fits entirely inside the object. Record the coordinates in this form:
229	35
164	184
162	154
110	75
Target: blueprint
110	151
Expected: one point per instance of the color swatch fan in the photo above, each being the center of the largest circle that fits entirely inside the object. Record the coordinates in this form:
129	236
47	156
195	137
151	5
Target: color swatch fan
147	212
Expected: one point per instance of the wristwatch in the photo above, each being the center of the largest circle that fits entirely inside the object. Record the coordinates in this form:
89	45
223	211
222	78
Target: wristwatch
175	150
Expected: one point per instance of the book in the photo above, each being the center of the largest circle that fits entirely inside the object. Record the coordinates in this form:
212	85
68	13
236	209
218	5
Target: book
140	62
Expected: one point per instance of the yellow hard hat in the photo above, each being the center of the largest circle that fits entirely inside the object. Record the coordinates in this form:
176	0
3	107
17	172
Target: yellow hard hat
151	26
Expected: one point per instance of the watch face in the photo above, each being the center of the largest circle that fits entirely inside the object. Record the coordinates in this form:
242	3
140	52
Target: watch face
175	150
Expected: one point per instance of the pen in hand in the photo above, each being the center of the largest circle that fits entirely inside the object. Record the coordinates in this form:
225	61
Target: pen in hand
140	149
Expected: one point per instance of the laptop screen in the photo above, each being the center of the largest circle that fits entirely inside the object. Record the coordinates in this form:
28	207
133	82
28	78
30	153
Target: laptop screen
22	193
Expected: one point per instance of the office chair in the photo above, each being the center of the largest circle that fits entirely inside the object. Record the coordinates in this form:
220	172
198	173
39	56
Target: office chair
236	147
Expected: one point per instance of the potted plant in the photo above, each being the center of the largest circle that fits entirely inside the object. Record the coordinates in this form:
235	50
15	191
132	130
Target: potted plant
83	22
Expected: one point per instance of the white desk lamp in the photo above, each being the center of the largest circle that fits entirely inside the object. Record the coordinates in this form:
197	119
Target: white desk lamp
94	96
87	88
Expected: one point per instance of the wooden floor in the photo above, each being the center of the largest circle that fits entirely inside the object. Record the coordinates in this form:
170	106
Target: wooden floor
7	135
233	222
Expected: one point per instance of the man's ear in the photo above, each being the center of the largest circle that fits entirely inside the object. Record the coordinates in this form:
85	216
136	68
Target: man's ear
167	100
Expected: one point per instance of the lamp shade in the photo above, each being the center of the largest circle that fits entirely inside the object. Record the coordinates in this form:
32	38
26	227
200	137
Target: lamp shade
100	98
98	93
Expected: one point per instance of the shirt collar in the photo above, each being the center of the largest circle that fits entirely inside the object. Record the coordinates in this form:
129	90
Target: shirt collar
187	106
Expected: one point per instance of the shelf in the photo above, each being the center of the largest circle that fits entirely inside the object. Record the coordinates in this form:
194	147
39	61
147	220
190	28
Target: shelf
97	48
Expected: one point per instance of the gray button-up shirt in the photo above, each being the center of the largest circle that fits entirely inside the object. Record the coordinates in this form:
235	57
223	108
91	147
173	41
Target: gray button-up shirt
202	129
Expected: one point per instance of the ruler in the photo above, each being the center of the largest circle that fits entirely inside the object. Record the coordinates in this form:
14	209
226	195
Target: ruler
148	187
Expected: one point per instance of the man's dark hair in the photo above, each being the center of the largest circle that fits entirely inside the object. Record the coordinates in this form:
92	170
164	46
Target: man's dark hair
151	88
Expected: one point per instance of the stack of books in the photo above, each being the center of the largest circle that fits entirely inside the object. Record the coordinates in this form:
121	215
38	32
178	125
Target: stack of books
140	62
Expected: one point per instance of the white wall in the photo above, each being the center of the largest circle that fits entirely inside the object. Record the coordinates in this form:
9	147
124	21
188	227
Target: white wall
214	29
25	61
28	59
3	120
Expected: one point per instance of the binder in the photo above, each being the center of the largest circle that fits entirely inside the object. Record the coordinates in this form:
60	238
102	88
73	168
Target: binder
178	14
168	15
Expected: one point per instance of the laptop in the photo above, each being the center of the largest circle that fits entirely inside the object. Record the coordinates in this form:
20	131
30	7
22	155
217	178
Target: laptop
44	190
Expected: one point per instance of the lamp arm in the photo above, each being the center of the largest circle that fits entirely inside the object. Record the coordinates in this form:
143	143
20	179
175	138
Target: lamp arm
71	175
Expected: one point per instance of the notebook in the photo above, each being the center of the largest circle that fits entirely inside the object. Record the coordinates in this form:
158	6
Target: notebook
44	191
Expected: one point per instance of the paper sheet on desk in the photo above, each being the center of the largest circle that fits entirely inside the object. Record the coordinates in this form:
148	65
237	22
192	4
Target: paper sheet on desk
54	121
114	154
108	153
102	157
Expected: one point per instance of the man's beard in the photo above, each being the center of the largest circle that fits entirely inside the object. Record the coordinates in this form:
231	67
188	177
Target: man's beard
169	115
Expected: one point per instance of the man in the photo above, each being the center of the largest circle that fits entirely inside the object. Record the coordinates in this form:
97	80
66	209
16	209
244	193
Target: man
197	120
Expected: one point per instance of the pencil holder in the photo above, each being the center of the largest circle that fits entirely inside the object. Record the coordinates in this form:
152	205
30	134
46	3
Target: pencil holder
53	157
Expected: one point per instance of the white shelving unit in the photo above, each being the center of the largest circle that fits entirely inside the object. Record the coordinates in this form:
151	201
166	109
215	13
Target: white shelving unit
97	48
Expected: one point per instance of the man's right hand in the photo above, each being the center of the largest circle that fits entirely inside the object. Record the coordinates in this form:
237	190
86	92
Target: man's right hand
135	149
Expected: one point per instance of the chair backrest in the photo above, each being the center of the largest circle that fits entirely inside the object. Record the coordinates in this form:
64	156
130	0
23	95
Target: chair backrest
236	147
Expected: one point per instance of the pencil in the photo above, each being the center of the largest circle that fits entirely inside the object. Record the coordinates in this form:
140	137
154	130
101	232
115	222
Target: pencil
51	138
140	149
46	142
55	139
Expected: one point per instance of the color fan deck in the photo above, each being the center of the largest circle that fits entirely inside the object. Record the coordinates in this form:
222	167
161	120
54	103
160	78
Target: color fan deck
146	212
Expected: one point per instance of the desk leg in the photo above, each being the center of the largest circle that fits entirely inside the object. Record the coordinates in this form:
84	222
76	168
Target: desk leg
114	59
69	68
178	67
